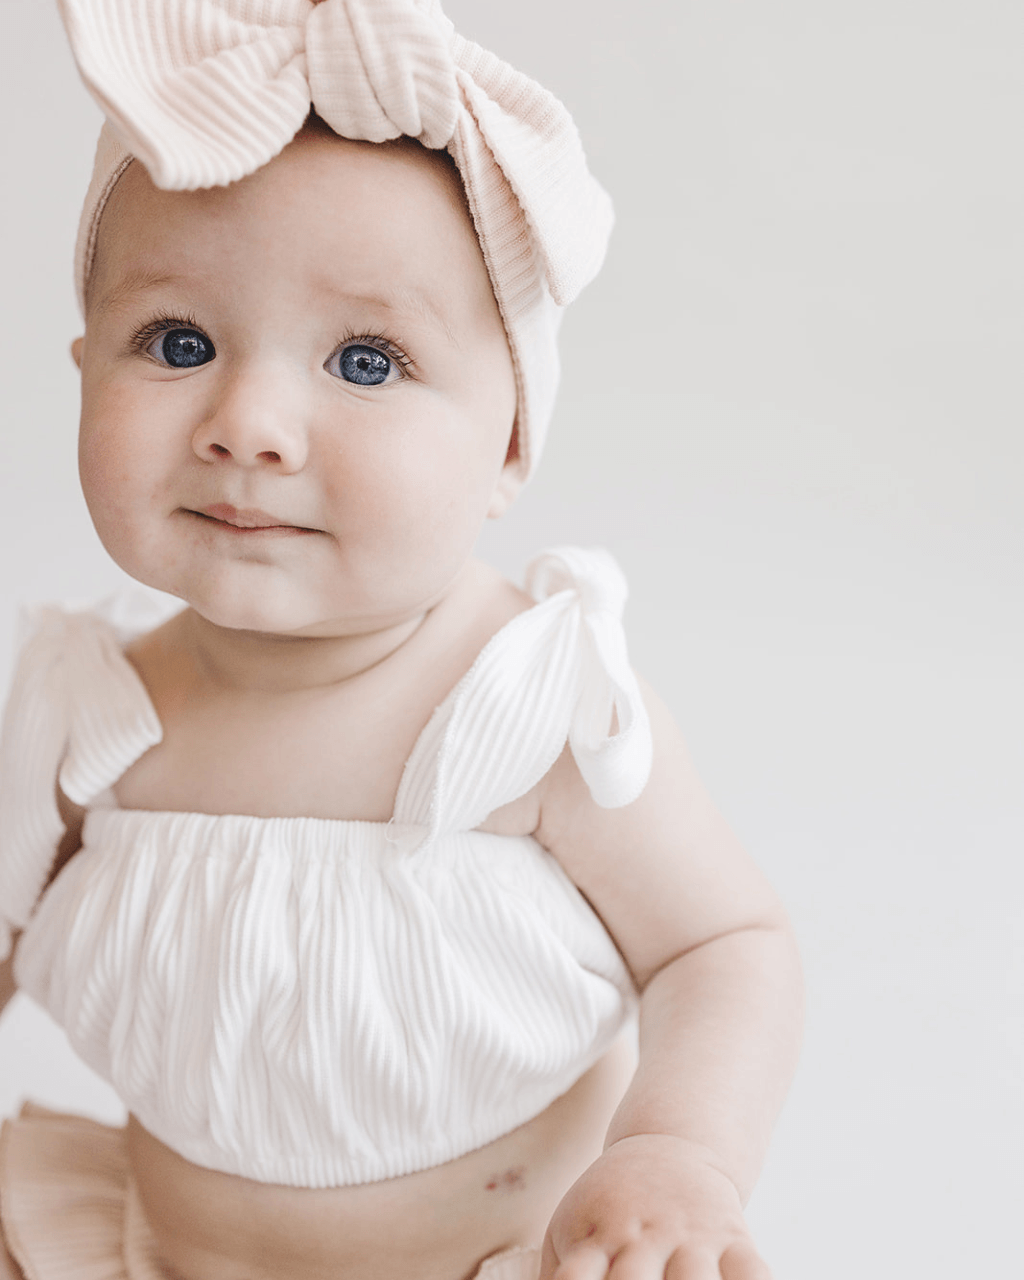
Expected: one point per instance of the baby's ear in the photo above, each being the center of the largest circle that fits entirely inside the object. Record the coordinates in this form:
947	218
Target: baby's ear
506	490
76	351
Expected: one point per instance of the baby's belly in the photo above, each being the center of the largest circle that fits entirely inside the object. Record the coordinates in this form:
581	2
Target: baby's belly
438	1224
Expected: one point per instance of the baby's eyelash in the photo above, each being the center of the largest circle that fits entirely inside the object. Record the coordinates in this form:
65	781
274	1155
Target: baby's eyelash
144	334
383	343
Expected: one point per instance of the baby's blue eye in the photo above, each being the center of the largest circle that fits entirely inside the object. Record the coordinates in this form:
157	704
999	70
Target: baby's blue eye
183	348
363	365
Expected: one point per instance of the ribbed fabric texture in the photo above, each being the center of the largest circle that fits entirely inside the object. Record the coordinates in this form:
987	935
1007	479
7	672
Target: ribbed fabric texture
63	1181
322	1003
208	91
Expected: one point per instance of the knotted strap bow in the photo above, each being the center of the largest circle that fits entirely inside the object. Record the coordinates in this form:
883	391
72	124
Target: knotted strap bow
559	671
204	92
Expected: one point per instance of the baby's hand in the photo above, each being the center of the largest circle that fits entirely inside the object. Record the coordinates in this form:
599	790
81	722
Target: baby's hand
651	1206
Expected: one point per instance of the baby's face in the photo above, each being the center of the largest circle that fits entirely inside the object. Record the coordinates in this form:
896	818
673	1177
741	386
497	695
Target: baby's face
297	394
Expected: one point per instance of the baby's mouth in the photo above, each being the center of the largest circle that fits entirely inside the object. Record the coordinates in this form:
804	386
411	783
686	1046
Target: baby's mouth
246	518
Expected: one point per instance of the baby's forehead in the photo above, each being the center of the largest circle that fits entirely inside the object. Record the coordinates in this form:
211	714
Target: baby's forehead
356	198
342	177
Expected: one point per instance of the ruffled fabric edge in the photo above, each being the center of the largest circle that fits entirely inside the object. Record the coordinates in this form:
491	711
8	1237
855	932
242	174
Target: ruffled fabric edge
77	711
63	1191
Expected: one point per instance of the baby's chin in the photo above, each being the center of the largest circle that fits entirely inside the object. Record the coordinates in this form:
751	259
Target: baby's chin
267	613
267	607
275	608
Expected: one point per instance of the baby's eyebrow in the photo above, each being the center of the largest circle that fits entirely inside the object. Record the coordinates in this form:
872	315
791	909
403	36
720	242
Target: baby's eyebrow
403	301
134	280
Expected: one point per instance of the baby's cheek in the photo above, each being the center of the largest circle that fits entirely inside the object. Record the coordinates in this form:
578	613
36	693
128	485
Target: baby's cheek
106	413
105	467
116	476
121	439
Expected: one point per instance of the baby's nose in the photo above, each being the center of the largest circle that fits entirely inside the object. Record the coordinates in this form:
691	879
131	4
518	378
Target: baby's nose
254	425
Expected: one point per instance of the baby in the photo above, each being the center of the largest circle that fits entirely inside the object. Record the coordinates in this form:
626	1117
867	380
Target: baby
351	875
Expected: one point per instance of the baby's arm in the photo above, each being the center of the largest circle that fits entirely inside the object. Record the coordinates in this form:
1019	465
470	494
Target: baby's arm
713	955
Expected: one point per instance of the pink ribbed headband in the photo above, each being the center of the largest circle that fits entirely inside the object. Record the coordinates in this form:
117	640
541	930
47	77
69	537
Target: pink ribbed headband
204	92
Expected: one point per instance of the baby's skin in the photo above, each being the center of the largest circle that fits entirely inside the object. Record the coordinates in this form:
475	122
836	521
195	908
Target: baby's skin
298	408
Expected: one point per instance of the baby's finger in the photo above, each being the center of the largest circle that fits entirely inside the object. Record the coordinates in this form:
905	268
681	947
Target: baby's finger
743	1262
692	1264
583	1262
641	1260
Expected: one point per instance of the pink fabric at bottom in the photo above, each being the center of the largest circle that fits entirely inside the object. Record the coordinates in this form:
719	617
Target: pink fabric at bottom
69	1209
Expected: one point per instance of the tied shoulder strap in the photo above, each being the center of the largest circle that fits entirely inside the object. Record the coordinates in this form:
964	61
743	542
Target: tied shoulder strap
557	672
77	710
615	766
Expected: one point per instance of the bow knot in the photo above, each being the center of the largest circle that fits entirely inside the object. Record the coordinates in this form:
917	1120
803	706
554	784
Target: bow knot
381	68
206	93
593	574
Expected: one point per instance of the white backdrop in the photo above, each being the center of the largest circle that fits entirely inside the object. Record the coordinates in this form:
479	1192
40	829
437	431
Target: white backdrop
792	409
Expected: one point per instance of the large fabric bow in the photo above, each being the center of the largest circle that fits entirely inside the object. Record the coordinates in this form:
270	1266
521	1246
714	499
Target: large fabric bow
204	92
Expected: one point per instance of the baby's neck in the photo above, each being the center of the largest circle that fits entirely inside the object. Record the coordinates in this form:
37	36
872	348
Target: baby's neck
267	663
271	663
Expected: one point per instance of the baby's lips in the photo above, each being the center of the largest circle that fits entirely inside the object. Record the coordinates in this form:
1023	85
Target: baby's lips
243	517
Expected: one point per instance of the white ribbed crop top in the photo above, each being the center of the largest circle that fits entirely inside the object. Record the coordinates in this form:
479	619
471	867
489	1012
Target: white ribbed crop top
317	1002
